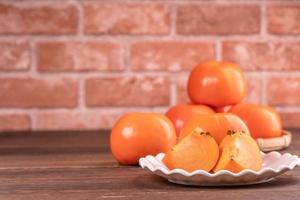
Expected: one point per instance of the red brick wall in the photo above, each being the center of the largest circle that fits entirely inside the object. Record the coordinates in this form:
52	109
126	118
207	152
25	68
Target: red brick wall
80	64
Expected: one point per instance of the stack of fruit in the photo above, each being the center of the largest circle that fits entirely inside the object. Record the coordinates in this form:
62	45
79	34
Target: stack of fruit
214	132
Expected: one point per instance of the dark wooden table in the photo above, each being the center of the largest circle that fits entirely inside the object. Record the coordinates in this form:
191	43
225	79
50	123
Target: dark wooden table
78	165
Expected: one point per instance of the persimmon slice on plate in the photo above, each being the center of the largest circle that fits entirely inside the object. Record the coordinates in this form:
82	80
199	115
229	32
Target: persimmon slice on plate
198	150
239	151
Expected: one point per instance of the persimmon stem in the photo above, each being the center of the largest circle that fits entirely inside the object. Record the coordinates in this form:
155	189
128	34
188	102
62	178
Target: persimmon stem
198	130
232	132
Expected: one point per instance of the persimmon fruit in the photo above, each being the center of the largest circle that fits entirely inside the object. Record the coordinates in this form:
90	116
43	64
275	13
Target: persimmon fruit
180	114
139	134
262	121
196	151
238	151
217	84
217	124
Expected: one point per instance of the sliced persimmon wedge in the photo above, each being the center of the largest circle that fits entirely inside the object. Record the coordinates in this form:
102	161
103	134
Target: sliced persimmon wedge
198	150
238	151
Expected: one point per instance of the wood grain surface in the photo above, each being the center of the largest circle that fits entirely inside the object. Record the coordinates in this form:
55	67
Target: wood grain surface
79	165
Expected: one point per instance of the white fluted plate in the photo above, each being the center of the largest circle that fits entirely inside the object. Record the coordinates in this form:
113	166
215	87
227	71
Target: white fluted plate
274	164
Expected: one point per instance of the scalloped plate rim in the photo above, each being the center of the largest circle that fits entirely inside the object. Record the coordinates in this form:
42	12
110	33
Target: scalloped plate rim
145	163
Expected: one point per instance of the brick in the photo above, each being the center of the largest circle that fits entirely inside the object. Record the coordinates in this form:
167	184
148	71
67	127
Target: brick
70	120
283	19
42	18
33	92
254	86
283	90
263	55
127	91
14	122
181	90
219	20
169	55
14	56
79	56
114	18
290	119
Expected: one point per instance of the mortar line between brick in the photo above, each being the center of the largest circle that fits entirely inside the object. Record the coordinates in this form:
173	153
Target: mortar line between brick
170	2
80	11
81	95
180	2
263	21
33	67
173	19
154	38
287	108
33	119
295	73
112	38
173	93
17	111
264	89
218	50
103	109
193	2
261	77
33	73
126	57
36	2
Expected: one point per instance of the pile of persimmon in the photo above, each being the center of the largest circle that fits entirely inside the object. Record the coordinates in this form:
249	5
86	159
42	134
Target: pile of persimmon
215	131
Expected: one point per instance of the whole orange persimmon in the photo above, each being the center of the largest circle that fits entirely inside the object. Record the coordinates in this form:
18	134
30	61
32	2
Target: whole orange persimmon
217	84
262	121
217	125
139	134
180	114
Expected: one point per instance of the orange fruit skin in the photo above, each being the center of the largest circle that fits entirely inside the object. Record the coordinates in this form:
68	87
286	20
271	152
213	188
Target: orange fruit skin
217	84
139	134
180	114
216	124
262	121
